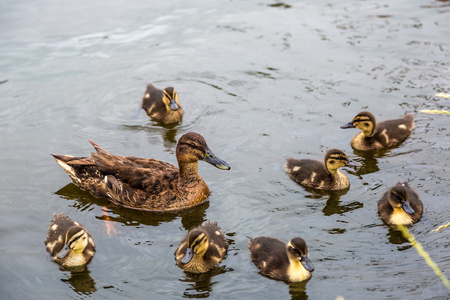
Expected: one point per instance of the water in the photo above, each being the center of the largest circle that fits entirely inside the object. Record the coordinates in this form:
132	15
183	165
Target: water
261	81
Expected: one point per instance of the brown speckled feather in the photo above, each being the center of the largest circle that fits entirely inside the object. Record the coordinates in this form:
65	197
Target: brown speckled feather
56	239
385	209
214	254
269	255
144	184
154	106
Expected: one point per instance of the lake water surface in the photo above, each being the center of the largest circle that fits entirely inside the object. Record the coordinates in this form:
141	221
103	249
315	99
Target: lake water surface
261	81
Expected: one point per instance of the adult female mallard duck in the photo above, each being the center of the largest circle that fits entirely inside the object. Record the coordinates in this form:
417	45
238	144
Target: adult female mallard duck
163	106
379	135
68	242
278	260
145	183
324	176
202	248
400	205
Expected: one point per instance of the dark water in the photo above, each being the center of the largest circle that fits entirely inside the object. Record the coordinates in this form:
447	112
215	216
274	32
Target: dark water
261	81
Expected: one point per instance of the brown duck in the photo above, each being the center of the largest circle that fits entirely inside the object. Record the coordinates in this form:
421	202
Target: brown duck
400	205
145	183
162	105
68	242
202	248
278	260
318	175
379	135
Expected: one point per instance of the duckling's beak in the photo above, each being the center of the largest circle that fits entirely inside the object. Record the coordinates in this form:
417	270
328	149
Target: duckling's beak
215	161
306	263
348	125
173	105
407	208
64	252
187	256
352	163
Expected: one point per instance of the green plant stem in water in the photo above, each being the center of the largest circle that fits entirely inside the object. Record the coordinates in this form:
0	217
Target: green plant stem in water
424	254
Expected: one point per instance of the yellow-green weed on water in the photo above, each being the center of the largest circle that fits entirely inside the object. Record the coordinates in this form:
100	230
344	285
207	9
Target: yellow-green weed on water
424	254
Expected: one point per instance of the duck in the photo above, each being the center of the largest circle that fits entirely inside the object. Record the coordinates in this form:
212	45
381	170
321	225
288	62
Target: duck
400	205
162	105
278	260
145	183
318	175
68	242
375	136
202	248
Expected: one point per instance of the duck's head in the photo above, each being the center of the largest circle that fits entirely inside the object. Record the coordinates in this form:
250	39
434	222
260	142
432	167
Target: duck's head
170	99
398	198
336	158
197	244
192	147
364	121
297	250
76	241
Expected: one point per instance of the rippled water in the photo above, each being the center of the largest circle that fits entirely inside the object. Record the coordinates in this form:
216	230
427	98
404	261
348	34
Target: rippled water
261	81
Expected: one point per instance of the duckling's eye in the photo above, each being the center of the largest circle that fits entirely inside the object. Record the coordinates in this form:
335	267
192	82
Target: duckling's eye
331	162
397	197
366	124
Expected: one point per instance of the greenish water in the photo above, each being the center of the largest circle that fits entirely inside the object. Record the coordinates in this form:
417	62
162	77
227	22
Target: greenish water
261	81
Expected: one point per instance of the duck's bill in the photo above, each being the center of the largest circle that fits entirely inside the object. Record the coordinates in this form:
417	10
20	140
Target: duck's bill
215	161
348	125
173	105
407	208
187	256
307	263
64	252
352	163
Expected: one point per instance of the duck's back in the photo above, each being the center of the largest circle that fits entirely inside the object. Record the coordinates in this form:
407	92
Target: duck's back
269	255
152	102
308	172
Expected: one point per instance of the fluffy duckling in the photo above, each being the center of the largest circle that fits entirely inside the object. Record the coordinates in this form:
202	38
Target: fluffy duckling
379	135
324	176
202	248
145	183
400	205
68	242
278	260
163	106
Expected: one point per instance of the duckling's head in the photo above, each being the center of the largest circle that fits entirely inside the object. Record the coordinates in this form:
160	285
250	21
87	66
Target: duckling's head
364	121
336	158
297	250
170	99
197	244
192	147
76	241
398	198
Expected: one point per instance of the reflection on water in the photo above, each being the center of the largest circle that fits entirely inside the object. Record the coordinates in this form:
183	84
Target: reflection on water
168	132
200	285
80	281
297	290
190	218
333	205
395	237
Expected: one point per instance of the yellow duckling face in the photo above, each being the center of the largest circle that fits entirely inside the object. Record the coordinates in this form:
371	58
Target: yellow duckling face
298	251
398	199
170	99
364	121
335	159
76	241
196	247
192	147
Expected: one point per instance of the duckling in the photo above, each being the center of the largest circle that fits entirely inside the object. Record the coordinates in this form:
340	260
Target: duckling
278	260
400	205
145	183
202	248
162	106
324	176
379	135
68	242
